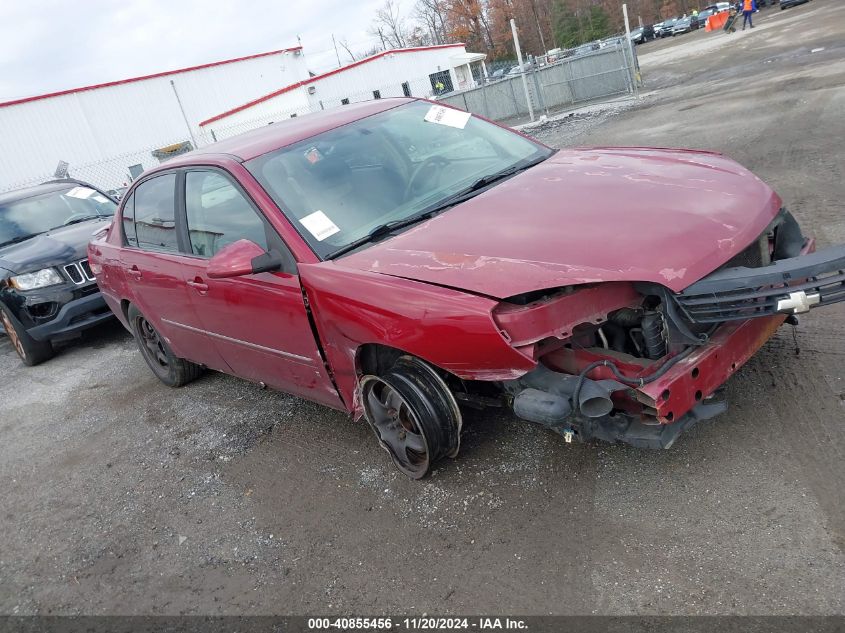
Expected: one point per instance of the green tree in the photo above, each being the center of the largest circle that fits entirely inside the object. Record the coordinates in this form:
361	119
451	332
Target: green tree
574	27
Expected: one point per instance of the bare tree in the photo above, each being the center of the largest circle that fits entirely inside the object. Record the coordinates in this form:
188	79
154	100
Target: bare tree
389	25
431	14
345	46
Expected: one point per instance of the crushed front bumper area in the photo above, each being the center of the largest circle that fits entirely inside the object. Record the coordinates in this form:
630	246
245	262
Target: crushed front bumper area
649	415
787	286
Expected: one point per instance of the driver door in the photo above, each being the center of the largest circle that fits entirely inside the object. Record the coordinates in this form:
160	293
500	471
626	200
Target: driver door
257	322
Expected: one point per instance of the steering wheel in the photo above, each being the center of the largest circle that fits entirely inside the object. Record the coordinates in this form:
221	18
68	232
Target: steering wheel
435	162
77	216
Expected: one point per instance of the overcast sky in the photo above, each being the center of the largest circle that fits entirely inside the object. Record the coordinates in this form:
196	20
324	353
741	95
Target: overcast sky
47	45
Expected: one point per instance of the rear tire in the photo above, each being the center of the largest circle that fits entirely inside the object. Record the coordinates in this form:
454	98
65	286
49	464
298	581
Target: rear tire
168	368
30	351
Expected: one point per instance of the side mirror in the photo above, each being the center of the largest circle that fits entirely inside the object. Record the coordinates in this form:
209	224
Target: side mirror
242	258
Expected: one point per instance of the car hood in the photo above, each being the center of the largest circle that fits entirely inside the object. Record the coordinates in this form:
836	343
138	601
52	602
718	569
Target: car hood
54	248
586	216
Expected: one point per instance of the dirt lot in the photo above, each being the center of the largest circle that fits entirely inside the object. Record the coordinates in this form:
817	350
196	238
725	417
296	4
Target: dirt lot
122	496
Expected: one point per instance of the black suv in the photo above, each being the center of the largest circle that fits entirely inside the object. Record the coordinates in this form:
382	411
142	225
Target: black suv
47	289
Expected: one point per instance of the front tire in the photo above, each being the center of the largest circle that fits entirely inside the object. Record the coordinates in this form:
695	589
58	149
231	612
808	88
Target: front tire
168	368
413	414
30	351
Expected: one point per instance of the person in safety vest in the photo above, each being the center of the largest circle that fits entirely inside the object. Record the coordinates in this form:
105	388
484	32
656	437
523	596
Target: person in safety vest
748	8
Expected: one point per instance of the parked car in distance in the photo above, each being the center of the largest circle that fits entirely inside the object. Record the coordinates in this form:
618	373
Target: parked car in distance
702	17
398	260
47	290
685	25
718	7
642	34
585	49
516	70
791	3
664	28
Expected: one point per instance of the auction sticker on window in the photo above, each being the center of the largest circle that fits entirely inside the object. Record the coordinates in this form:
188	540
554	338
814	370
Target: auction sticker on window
80	192
319	225
447	116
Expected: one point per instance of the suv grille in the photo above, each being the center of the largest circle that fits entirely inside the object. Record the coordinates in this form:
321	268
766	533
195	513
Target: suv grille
79	272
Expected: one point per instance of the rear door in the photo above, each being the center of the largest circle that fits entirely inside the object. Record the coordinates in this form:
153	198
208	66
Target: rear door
153	269
258	322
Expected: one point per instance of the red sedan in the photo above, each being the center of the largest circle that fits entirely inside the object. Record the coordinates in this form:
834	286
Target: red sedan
399	260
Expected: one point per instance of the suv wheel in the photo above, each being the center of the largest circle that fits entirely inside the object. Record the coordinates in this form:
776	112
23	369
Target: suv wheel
31	352
168	368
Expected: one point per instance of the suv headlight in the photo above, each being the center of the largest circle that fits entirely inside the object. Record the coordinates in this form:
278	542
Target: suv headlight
38	279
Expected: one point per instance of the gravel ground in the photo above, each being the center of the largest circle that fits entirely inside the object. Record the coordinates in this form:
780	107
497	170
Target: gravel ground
121	496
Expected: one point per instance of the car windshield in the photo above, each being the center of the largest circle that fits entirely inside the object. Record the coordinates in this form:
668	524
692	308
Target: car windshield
28	217
389	168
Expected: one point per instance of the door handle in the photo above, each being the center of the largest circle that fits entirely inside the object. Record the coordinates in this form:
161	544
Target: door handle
198	284
135	272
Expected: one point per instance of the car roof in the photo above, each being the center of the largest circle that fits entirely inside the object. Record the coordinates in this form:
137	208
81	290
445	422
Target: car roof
37	190
280	134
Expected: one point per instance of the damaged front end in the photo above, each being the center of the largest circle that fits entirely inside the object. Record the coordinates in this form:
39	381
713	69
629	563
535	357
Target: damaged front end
638	363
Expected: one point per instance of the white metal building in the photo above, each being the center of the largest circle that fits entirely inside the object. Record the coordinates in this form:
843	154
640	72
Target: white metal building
109	133
129	119
407	71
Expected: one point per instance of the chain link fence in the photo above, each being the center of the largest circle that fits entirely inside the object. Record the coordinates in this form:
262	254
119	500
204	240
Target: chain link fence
555	83
590	73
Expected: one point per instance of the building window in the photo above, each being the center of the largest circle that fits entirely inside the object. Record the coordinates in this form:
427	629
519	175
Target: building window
406	89
344	101
441	82
376	94
163	153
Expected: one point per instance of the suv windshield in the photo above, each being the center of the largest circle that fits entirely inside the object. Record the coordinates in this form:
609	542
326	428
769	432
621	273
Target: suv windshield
383	172
28	217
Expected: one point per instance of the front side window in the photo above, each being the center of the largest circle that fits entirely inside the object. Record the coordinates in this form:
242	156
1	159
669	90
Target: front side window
155	214
339	186
218	214
28	217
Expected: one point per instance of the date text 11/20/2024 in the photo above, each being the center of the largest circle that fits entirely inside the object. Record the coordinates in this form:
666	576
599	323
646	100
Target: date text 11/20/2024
413	624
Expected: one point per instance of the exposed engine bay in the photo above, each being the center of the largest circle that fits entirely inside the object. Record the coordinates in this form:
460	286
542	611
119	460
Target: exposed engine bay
642	363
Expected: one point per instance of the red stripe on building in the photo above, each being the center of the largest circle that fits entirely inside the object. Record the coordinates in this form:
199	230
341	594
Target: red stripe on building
329	73
145	77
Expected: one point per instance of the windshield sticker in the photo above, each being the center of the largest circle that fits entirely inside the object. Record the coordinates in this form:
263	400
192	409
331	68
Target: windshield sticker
447	116
80	192
319	225
100	197
313	155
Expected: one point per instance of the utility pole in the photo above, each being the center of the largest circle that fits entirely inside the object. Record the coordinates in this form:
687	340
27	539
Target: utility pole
184	116
634	72
521	69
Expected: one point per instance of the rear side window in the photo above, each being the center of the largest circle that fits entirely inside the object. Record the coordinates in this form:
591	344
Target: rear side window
155	214
129	221
218	214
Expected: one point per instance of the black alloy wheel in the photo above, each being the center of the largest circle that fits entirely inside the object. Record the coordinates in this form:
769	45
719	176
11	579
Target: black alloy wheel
413	415
168	368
